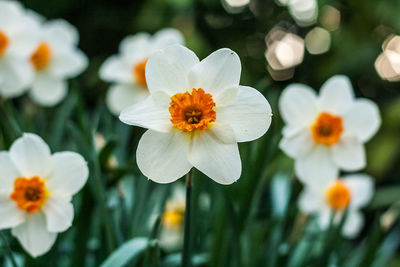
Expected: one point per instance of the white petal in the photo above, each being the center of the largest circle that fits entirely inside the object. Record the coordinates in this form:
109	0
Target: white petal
62	32
68	63
324	219
317	167
31	155
48	90
218	160
10	11
59	214
15	76
162	157
353	224
166	37
148	114
298	105
362	189
363	119
310	200
69	173
297	144
219	71
349	154
120	96
249	115
137	44
10	214
167	70
8	172
336	95
116	69
34	236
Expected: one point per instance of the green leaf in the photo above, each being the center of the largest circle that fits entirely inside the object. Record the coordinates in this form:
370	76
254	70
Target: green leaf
126	253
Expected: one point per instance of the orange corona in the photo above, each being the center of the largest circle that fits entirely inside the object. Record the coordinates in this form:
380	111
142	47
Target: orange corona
41	57
173	219
190	111
338	196
29	194
327	129
139	71
4	42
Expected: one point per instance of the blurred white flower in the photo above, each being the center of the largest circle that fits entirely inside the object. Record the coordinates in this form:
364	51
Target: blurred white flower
350	193
55	60
388	63
196	114
318	41
18	38
171	236
127	69
304	12
326	133
36	191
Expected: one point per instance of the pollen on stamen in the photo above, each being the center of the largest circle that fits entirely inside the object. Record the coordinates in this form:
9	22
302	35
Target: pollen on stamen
338	196
40	59
327	129
29	193
192	110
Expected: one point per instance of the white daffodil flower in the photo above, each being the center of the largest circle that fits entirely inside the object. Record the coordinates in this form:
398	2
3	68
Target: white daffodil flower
55	60
352	193
36	191
127	70
18	38
196	114
326	133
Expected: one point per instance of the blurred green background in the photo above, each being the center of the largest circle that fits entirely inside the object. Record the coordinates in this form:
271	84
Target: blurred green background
254	222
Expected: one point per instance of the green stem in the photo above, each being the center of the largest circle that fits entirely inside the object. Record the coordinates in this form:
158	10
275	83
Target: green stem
186	239
4	239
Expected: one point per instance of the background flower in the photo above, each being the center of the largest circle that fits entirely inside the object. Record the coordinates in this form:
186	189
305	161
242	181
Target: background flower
326	133
352	192
36	192
127	70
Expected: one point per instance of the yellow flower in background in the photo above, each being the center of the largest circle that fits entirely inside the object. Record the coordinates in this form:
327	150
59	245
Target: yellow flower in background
36	191
127	69
171	236
18	39
55	60
327	133
196	114
350	193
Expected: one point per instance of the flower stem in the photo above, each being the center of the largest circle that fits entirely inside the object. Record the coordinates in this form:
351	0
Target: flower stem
186	239
4	239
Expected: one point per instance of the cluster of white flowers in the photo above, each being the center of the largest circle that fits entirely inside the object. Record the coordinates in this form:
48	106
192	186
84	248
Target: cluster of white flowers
36	55
324	135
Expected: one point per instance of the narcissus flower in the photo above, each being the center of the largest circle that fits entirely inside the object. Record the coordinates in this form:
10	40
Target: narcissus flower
127	70
18	39
326	133
36	191
55	59
350	193
196	114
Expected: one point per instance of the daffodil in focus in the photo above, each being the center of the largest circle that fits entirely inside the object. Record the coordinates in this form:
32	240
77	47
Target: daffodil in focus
326	133
36	191
127	70
55	59
196	114
350	193
18	39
